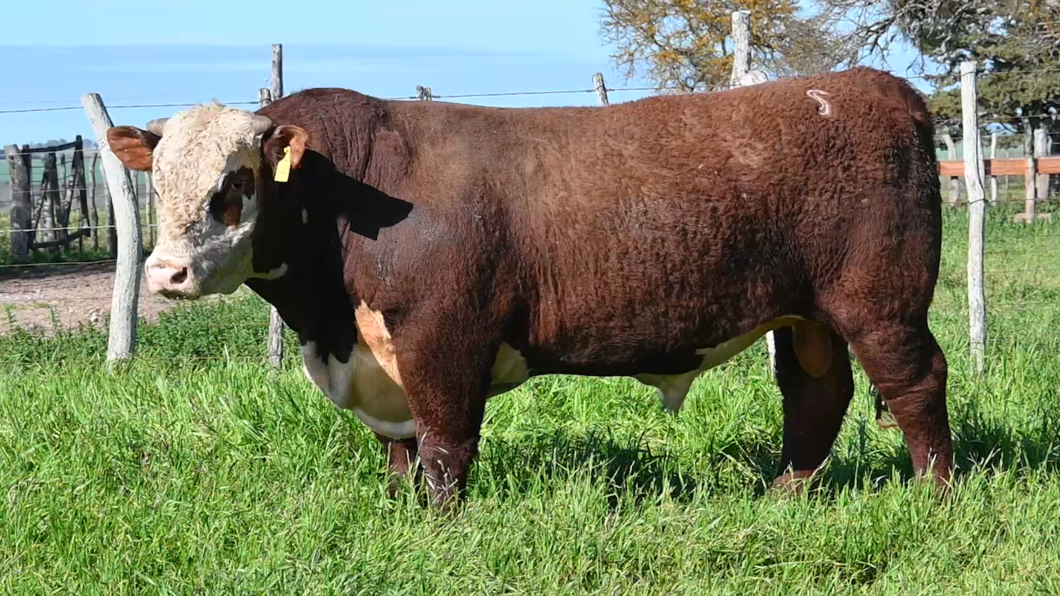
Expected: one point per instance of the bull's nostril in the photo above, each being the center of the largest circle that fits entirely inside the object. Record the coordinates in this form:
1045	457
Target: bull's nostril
180	276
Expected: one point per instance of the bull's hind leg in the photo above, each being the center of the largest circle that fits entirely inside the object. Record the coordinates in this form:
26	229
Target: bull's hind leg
908	367
813	372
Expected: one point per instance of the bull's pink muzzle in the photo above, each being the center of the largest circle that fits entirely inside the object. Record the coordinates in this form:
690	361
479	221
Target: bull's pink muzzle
168	278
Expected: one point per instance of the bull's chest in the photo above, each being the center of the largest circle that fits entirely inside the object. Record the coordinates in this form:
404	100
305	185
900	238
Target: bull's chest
369	382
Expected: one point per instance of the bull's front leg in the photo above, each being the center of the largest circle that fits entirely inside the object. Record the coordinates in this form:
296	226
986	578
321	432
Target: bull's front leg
400	461
446	376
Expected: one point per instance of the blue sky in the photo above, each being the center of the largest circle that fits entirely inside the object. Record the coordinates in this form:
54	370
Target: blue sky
137	52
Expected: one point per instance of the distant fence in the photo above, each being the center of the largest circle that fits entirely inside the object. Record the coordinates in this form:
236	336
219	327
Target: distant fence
1033	170
985	173
59	203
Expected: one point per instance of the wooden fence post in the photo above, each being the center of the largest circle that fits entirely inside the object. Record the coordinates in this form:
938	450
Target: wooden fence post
47	223
741	40
974	174
1041	149
121	342
79	187
150	192
1030	202
112	227
21	202
955	182
94	217
277	72
265	97
601	89
742	75
993	178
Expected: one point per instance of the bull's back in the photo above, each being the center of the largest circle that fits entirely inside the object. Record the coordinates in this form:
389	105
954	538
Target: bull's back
672	221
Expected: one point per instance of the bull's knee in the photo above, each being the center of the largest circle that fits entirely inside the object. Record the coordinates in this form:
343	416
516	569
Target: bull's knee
813	348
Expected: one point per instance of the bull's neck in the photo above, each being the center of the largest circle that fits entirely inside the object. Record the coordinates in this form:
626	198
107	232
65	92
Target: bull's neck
313	296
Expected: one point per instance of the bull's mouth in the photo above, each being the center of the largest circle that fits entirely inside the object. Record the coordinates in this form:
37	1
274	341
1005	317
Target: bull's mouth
171	295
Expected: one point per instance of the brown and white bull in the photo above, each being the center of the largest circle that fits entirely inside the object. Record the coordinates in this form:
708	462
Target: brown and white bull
431	255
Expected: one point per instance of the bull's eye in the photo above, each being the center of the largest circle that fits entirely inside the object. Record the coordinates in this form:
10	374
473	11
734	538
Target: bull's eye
237	185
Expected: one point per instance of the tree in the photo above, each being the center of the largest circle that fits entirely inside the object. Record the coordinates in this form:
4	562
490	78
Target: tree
1016	44
686	44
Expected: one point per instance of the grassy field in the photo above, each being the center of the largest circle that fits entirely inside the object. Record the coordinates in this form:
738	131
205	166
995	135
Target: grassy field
195	470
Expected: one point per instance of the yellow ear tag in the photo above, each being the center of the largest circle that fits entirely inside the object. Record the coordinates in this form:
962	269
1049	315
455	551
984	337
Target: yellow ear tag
283	168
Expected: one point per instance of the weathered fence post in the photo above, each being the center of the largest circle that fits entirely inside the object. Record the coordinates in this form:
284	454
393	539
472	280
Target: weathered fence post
601	89
276	81
974	173
1041	149
150	192
424	93
47	224
742	75
266	96
121	342
80	189
1030	202
94	218
21	202
741	40
955	182
993	178
112	227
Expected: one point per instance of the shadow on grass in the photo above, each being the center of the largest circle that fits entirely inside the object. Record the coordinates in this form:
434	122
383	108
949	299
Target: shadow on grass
980	442
630	469
636	472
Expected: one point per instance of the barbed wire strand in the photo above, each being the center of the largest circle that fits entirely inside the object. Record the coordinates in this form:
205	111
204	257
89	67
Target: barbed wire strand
406	97
120	107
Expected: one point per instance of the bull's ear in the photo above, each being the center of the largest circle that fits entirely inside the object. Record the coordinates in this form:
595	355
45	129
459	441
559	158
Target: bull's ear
286	135
133	146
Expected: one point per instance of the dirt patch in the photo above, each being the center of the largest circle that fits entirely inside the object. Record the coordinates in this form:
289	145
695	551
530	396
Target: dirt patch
67	294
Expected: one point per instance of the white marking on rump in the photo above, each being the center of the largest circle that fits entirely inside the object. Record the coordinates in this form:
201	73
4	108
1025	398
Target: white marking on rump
674	388
369	384
825	107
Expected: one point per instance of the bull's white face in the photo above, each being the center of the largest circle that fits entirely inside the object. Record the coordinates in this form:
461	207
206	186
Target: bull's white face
207	170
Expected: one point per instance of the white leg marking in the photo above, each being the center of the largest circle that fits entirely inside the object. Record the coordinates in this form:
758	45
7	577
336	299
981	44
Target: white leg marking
825	109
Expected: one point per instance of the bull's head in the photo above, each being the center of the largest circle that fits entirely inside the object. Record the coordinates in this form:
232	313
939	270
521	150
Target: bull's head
206	164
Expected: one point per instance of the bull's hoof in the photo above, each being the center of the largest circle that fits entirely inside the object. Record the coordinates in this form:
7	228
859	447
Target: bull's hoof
795	483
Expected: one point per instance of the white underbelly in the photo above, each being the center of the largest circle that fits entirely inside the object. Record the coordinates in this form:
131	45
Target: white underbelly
370	386
674	388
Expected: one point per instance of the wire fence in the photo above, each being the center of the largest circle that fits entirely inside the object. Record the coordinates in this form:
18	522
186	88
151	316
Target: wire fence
68	198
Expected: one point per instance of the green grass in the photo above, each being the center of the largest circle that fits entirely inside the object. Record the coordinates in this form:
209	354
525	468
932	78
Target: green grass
196	470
